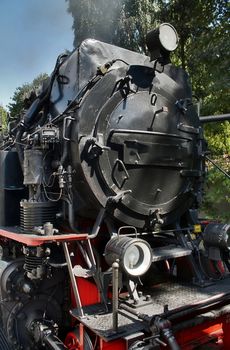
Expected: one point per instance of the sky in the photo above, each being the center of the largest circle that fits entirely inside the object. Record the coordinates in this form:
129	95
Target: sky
32	34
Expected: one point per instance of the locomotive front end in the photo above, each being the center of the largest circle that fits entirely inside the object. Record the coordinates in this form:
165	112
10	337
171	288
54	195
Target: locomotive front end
101	245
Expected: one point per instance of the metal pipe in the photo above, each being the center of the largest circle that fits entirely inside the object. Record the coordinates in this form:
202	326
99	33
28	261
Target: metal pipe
71	216
170	339
57	265
66	139
53	343
163	325
197	308
73	280
90	253
208	316
183	311
136	313
115	268
19	147
97	224
218	167
215	118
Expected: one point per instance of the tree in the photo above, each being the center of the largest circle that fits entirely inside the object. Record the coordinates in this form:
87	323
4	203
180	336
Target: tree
3	119
217	195
22	92
121	22
136	19
203	47
94	19
203	51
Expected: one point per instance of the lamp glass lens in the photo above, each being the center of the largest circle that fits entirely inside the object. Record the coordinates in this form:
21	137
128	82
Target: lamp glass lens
137	258
132	256
168	37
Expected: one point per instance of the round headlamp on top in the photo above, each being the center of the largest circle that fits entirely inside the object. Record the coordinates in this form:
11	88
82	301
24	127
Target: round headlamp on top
162	40
134	254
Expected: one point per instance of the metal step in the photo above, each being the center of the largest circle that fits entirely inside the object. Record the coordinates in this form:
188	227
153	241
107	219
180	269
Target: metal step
79	271
171	251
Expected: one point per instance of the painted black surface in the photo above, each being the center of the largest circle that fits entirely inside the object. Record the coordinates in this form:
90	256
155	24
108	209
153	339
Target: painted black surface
11	188
136	131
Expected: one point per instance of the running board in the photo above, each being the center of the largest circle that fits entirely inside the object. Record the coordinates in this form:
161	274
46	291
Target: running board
171	251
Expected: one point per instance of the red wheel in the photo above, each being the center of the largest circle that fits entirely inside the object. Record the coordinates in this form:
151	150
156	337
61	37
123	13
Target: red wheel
72	340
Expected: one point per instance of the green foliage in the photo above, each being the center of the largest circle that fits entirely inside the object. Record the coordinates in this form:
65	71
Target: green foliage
17	105
3	118
203	47
121	22
218	137
21	92
217	194
191	19
136	19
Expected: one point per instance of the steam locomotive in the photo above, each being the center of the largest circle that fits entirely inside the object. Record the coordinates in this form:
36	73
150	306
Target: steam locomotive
100	185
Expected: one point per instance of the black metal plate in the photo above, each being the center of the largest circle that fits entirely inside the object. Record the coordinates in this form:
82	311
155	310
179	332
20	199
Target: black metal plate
175	295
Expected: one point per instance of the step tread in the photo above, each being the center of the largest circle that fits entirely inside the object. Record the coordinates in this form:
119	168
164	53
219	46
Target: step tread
169	252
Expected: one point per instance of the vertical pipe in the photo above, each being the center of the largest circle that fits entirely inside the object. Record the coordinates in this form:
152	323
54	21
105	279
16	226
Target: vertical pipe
115	268
73	280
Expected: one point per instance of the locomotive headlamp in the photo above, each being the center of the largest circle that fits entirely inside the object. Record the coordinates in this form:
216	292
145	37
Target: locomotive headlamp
162	40
134	254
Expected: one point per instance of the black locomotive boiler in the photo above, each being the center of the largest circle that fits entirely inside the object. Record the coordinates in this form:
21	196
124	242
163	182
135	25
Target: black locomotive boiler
100	185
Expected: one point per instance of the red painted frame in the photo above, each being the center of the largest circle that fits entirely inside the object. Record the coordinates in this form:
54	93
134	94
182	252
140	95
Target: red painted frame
209	335
36	240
